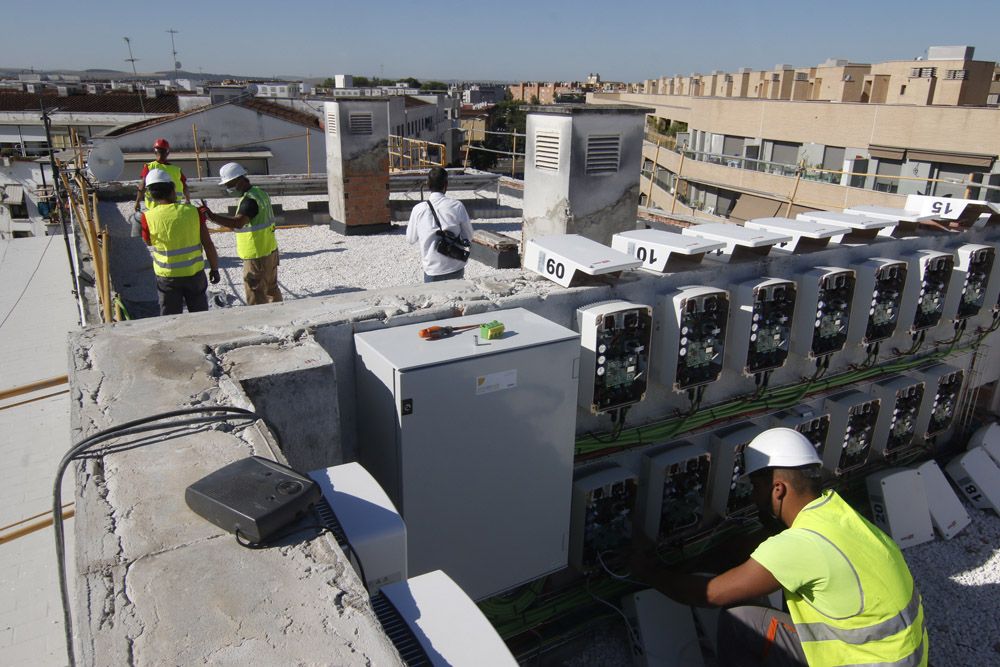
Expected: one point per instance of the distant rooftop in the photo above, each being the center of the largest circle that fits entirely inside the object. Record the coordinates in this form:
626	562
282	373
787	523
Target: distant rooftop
105	103
254	104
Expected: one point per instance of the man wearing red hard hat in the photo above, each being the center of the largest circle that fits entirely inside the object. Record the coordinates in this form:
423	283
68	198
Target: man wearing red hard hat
161	147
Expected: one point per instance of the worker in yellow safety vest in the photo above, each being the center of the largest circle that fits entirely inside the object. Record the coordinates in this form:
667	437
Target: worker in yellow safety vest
177	235
255	240
851	599
161	147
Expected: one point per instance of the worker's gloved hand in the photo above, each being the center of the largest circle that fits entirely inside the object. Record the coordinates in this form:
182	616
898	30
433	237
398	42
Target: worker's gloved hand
213	276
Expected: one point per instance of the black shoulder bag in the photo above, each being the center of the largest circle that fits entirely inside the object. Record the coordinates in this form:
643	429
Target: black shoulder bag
449	244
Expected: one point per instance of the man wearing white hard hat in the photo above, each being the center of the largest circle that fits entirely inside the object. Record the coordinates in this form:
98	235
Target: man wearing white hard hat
177	235
851	599
255	240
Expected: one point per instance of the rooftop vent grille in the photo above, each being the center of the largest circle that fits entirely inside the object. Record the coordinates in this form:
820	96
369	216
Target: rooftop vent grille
399	632
329	521
547	151
603	153
361	123
331	124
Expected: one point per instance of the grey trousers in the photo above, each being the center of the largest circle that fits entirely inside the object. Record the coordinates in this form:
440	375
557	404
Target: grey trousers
758	636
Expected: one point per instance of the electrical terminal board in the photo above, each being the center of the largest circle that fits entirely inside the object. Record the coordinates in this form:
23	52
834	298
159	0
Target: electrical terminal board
761	327
932	276
615	338
971	280
902	398
695	336
674	481
602	514
944	385
879	293
823	314
808	421
853	416
732	494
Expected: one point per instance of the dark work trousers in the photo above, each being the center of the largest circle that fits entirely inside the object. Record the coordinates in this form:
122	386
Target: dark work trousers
752	636
174	293
454	275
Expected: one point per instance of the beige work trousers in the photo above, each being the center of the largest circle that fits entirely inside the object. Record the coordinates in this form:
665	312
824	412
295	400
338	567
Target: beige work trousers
260	279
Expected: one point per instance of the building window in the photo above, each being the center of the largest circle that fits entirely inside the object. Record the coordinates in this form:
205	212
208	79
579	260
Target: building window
956	74
902	90
923	72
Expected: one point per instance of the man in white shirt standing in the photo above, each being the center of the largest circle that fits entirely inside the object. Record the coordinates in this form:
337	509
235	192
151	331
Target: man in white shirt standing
451	216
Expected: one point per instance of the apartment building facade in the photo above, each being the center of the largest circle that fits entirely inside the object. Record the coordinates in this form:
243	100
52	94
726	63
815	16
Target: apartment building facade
787	140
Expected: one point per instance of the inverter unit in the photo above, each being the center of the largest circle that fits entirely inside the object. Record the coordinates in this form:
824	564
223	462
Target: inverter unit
431	621
823	311
978	477
731	496
970	281
364	522
927	281
853	416
943	386
760	325
896	428
694	336
614	359
602	515
673	485
947	512
899	506
807	420
664	632
878	298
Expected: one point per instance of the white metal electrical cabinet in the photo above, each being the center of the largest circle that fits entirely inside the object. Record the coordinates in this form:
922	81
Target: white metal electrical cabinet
473	441
899	506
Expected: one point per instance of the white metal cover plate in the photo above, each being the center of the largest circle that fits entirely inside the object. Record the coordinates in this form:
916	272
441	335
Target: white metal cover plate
447	623
943	208
736	235
558	256
809	230
849	219
403	348
653	247
947	511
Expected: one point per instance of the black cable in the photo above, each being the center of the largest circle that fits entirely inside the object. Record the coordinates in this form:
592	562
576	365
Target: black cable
142	425
274	539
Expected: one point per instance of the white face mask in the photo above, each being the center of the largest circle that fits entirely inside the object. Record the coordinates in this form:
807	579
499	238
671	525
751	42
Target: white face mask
232	191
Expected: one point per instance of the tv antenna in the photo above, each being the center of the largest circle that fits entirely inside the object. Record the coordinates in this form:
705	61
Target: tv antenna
132	59
173	50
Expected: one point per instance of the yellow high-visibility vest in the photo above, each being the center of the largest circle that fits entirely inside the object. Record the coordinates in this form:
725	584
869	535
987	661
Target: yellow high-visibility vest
175	238
888	626
256	239
175	176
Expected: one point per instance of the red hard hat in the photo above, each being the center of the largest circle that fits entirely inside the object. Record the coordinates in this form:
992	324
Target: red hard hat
161	143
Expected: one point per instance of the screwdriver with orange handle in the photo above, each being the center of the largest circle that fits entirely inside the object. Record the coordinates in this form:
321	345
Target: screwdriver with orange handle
438	332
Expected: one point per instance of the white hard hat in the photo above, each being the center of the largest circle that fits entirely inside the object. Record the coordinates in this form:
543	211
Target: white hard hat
158	176
230	172
779	448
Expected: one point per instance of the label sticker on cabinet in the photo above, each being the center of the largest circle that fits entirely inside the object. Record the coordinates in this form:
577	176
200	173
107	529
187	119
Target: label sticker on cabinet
487	384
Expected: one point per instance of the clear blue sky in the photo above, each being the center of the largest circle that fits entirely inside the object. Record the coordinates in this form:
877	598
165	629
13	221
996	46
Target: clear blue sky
515	40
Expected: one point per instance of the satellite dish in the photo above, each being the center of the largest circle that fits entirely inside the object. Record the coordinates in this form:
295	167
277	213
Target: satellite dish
106	162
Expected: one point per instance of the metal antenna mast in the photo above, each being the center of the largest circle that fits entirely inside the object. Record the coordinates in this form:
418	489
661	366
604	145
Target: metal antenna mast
132	59
173	50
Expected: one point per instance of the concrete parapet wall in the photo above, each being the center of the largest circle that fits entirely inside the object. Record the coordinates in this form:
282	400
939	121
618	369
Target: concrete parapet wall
157	584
